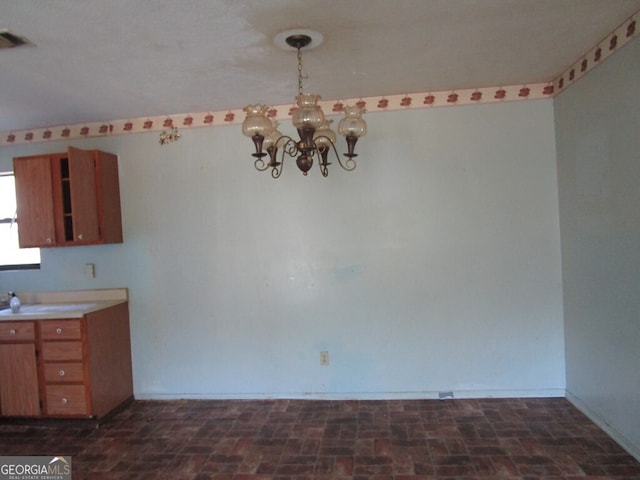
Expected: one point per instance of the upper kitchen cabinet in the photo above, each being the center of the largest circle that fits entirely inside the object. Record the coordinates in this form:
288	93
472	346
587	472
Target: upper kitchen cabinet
67	199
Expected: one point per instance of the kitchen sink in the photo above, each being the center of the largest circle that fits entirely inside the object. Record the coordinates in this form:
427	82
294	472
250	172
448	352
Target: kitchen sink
44	308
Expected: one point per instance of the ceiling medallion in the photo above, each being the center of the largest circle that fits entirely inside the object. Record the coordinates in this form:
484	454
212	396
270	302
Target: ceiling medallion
316	139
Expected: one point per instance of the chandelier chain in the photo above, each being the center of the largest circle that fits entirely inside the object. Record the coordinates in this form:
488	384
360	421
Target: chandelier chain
300	76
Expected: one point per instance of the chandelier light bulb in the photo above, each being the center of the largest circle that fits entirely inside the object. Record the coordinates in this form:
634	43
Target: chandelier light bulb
308	113
324	137
352	123
271	141
256	121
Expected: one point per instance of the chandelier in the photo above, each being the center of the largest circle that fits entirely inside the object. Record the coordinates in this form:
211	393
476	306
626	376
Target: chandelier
316	139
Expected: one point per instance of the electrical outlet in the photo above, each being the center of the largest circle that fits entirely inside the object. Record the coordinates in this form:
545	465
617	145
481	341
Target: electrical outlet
90	270
324	358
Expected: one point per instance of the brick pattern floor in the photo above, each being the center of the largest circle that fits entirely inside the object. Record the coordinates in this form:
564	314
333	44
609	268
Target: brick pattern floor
513	439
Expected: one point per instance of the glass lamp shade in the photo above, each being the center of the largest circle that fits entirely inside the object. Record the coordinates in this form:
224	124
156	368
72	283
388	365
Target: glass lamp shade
308	113
256	121
272	138
324	137
352	123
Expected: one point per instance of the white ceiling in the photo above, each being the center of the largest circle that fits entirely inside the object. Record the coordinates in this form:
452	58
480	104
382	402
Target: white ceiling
97	60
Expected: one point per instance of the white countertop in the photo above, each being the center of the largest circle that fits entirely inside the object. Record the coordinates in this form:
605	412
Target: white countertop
66	304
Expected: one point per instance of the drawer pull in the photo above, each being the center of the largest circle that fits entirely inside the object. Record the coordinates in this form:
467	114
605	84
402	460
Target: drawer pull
64	400
59	331
61	373
12	331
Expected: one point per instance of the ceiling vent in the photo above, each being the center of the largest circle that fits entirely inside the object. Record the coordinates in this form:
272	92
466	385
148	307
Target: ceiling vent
9	40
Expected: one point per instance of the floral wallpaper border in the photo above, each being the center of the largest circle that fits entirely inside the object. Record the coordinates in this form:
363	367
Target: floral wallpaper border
609	45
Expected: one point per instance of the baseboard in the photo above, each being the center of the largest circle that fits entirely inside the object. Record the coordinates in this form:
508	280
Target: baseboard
620	439
426	395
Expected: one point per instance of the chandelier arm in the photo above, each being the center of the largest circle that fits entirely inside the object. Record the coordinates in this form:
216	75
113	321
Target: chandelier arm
260	165
324	167
277	169
290	146
322	153
349	165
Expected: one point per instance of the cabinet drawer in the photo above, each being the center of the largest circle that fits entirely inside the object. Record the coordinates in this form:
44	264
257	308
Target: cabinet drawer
60	329
16	331
61	351
63	372
66	400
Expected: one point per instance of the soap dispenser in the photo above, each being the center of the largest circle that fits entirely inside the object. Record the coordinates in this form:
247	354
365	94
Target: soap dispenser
14	303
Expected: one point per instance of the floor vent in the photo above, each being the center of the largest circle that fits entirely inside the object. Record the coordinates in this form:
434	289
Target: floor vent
9	40
443	395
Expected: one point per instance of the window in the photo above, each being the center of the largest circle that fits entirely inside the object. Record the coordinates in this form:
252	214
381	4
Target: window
12	257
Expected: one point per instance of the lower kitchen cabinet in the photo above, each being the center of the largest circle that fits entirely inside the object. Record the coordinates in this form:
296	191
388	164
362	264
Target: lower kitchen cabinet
71	368
66	400
19	393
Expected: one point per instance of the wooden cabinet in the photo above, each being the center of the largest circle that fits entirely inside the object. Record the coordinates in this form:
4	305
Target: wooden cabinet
67	199
76	367
19	394
65	375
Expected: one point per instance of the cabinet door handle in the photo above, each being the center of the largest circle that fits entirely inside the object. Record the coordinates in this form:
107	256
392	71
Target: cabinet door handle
12	331
49	240
61	373
79	236
64	400
59	331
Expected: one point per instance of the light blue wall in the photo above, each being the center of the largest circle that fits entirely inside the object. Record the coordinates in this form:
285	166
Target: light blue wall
598	142
435	266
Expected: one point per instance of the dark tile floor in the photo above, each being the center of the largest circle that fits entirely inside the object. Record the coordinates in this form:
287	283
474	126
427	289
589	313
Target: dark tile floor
306	439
